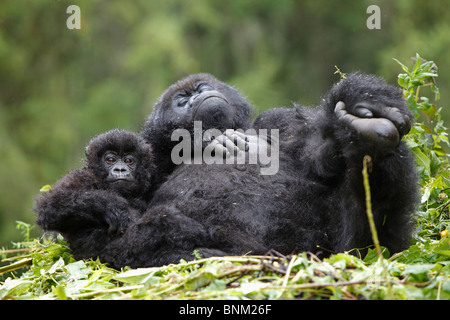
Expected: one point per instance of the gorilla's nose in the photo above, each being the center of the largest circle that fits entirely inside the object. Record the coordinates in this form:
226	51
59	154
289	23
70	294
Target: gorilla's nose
192	99
120	169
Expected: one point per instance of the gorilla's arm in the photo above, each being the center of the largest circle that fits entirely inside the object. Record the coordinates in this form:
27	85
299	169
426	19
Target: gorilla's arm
76	203
162	236
361	115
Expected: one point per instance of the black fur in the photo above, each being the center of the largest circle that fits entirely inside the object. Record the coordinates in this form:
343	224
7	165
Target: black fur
316	201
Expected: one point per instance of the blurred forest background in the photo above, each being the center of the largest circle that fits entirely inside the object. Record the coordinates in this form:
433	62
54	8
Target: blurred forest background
60	87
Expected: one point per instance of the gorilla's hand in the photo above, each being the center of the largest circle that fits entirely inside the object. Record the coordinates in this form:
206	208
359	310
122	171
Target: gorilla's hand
230	143
382	125
117	220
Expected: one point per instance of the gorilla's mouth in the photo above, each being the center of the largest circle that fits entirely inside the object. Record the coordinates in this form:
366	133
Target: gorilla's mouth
209	100
213	113
120	178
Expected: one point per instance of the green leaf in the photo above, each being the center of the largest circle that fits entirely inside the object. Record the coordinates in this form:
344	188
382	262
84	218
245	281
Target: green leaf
217	285
136	276
56	266
60	292
14	287
77	270
418	268
428	74
425	195
405	68
422	160
372	255
198	281
417	64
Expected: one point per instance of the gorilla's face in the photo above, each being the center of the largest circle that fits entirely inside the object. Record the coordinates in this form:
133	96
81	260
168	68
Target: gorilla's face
121	168
122	161
200	101
201	97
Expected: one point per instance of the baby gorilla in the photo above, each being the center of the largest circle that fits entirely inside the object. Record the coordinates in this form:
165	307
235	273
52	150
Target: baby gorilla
93	205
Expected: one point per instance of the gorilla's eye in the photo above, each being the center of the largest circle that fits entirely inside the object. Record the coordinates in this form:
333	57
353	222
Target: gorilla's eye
202	87
182	98
182	101
128	160
110	159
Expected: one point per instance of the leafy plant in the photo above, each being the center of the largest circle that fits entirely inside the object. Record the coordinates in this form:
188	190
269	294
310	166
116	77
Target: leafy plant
54	274
427	141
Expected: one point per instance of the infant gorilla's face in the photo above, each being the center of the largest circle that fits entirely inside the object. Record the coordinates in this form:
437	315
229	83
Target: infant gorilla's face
121	169
121	161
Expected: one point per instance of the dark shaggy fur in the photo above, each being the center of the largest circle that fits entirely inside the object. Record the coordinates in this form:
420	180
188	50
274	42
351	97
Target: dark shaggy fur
314	203
85	208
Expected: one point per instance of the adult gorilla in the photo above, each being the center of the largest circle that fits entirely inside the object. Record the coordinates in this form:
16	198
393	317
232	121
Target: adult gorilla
316	201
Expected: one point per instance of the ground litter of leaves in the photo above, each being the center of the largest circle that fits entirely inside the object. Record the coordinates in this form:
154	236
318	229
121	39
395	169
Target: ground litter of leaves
48	271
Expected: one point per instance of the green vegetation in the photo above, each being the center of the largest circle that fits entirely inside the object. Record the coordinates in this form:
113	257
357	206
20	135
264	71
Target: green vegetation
46	270
55	275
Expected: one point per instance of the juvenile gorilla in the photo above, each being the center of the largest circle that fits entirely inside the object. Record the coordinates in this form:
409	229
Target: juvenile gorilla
93	205
315	202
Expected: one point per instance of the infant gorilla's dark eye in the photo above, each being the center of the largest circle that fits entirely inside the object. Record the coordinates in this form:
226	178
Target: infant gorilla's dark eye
128	160
110	160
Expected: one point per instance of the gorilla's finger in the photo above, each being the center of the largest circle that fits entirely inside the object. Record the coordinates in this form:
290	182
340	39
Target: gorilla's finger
241	141
379	130
229	146
342	114
231	132
219	148
117	220
113	227
401	121
365	109
363	112
238	138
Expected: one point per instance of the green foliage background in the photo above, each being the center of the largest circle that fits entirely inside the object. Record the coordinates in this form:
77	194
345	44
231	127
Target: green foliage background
59	87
